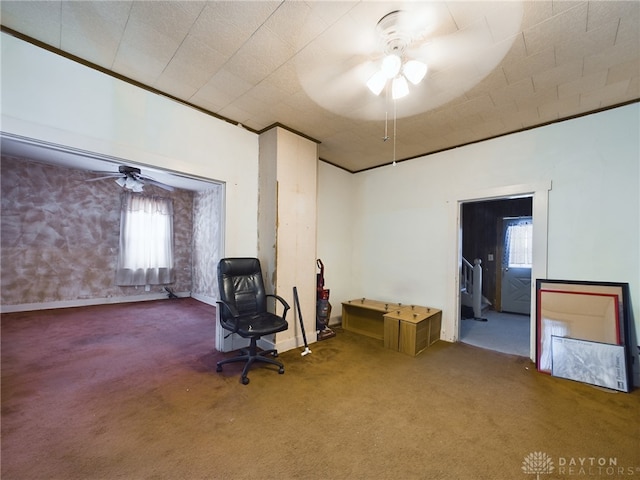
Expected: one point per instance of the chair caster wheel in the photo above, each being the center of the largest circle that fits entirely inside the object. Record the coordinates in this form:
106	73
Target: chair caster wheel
281	370
244	380
218	368
274	354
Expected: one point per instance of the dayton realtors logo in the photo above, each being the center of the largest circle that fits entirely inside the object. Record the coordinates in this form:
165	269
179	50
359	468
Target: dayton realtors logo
539	463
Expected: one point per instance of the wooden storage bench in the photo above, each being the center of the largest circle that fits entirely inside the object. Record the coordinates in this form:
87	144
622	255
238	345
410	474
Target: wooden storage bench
404	328
412	329
365	317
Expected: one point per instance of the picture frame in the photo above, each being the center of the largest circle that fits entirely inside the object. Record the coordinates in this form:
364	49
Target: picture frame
581	310
594	363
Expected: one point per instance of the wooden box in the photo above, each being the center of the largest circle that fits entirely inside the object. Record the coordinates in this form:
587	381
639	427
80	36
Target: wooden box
365	316
412	329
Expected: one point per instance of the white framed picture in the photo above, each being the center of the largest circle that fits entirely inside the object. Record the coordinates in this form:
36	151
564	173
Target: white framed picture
595	363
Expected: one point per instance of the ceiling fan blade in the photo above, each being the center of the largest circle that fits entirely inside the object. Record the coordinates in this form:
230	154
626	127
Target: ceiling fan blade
113	175
105	172
156	183
421	21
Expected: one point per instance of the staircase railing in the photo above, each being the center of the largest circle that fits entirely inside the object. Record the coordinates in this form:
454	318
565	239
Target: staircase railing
471	281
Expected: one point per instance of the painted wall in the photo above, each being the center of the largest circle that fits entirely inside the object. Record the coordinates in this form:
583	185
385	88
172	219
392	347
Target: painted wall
60	238
405	237
53	99
336	204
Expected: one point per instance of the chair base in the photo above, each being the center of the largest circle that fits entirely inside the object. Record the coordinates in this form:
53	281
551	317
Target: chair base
250	357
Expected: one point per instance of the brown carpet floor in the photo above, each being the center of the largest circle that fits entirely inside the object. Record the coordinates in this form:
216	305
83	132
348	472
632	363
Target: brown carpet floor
131	392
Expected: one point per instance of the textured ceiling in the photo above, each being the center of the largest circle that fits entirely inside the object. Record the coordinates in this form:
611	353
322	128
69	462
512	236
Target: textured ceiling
495	67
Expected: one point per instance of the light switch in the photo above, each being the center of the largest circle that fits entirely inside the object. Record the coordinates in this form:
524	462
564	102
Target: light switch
490	257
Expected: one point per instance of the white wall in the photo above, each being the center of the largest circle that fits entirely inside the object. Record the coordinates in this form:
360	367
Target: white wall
404	236
335	233
52	99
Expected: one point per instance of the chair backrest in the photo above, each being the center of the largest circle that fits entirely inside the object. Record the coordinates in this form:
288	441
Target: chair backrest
241	285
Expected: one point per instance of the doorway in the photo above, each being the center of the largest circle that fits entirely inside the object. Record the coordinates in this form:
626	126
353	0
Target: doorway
539	192
498	233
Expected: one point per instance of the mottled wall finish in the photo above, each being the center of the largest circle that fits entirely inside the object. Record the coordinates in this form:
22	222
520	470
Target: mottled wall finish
207	247
60	234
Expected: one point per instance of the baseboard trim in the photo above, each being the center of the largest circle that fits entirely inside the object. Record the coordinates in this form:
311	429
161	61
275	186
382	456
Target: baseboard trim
205	299
85	302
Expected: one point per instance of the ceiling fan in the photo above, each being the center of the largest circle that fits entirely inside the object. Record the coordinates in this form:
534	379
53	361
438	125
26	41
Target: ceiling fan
131	178
453	45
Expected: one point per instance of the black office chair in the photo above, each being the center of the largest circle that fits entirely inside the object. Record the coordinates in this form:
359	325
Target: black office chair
243	310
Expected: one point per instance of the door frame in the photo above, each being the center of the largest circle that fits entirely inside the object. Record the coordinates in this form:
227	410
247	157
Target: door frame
540	212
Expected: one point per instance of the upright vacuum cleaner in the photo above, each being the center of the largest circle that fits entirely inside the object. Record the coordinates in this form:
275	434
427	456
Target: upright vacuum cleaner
323	307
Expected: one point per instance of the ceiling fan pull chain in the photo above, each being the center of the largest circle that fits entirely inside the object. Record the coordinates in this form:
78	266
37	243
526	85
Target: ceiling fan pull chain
395	120
386	115
386	135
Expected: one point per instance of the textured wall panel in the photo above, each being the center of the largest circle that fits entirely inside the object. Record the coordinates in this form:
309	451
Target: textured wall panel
207	214
59	234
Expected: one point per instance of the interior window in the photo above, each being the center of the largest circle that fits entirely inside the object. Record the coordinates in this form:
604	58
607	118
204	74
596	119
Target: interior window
519	245
146	241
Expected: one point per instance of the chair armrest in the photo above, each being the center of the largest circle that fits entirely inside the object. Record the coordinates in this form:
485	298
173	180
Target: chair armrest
232	310
282	301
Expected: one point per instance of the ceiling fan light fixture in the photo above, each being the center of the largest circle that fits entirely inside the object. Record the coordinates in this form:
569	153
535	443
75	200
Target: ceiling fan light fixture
399	88
395	67
391	65
130	183
415	71
377	82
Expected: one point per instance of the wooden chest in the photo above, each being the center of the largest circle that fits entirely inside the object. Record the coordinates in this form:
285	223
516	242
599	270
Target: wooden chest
411	329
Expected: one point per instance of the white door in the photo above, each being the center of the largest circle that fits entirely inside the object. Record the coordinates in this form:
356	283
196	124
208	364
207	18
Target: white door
516	265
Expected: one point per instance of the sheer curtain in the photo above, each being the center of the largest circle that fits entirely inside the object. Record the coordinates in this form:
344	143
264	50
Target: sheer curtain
518	244
146	241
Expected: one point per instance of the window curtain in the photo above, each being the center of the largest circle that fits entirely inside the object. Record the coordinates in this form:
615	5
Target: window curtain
519	243
146	241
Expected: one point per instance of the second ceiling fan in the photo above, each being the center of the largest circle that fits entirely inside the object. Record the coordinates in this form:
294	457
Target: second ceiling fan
131	178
